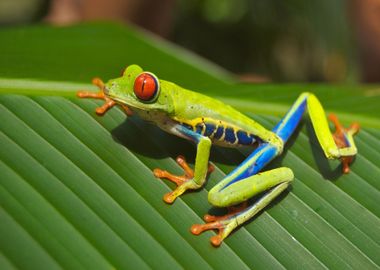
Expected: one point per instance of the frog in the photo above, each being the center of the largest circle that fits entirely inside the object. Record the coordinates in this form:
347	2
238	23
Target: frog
206	121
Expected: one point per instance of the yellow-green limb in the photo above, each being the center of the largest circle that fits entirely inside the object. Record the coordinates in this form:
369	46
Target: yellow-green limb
197	179
245	181
323	133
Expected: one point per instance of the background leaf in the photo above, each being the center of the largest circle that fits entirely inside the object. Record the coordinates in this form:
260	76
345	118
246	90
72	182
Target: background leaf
77	191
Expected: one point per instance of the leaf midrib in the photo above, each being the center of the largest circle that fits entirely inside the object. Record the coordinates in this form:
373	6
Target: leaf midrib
32	87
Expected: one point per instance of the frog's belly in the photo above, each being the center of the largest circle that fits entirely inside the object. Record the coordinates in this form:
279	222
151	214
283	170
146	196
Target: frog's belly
220	133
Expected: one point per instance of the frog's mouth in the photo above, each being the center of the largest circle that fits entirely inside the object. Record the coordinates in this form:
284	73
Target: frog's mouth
106	91
131	101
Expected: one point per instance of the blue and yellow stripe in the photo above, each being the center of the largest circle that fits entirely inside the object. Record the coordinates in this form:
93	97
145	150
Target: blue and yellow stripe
220	131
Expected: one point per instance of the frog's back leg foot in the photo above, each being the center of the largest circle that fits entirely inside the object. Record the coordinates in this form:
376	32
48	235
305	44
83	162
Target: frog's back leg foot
343	137
277	179
340	145
246	180
219	223
183	182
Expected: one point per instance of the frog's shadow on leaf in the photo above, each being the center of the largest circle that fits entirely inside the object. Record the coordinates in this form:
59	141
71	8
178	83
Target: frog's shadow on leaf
276	163
323	164
148	140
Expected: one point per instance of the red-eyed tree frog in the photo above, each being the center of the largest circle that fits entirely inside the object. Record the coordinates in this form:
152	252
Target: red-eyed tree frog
206	121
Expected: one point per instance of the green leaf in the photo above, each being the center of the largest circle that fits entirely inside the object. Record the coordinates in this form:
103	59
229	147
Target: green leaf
77	190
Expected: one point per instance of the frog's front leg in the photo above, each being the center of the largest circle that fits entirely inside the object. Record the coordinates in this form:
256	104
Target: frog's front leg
192	179
109	103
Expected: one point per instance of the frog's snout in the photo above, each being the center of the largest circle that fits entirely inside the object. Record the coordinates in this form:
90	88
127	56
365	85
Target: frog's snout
106	90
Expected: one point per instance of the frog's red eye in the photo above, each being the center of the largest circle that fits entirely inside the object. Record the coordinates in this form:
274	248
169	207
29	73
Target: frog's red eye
146	86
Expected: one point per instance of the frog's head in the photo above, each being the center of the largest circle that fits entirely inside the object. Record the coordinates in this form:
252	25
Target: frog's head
139	89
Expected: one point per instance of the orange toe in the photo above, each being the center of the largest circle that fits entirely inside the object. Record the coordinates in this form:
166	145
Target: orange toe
215	240
341	141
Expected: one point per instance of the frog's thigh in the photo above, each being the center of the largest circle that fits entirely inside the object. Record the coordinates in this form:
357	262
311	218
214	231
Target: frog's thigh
240	191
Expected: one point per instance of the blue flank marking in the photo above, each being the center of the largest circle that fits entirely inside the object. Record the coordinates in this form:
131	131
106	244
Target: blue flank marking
244	139
255	164
219	132
199	128
229	135
209	129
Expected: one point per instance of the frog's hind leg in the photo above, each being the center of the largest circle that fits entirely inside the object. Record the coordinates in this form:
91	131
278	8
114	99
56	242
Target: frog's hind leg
226	224
341	144
246	180
231	192
342	138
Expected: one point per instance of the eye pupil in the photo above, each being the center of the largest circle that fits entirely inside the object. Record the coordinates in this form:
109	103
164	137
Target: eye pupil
146	86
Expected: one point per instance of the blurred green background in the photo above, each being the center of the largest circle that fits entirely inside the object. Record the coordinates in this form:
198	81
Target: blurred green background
259	40
56	155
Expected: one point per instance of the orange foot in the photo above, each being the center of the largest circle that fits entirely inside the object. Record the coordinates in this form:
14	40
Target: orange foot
183	182
340	140
109	103
219	223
